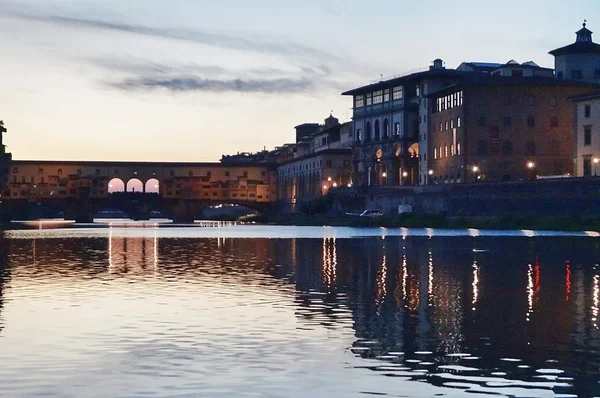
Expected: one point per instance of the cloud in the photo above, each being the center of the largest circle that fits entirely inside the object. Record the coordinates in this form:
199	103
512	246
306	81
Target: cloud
193	84
216	39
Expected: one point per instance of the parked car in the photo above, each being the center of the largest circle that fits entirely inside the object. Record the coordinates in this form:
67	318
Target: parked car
372	213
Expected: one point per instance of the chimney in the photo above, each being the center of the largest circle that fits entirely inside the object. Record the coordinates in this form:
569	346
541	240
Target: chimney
438	64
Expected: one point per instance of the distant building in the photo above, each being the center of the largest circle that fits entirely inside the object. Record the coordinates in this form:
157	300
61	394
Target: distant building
387	120
587	142
580	60
492	127
5	160
320	160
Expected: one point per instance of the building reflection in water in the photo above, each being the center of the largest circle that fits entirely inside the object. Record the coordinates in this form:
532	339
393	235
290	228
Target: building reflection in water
406	293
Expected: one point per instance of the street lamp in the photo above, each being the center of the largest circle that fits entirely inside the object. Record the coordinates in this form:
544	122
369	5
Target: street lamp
476	171
335	184
531	167
430	172
596	160
329	179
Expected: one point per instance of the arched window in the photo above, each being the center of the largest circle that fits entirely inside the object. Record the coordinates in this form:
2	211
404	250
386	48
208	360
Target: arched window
435	153
368	132
377	132
386	128
458	148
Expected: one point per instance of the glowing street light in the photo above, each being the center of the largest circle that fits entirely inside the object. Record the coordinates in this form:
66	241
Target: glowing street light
335	184
349	185
384	174
476	171
430	172
530	165
324	186
596	160
405	174
329	179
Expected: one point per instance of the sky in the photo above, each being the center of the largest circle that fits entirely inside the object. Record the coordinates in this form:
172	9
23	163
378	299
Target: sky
190	80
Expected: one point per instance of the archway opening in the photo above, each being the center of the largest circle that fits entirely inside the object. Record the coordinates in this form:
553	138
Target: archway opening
135	185
152	186
116	185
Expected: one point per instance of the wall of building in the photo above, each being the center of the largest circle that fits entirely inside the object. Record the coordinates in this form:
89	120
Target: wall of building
587	63
587	152
503	152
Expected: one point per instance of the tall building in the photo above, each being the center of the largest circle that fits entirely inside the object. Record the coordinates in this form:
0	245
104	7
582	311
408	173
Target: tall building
499	128
580	60
387	120
587	142
5	159
319	161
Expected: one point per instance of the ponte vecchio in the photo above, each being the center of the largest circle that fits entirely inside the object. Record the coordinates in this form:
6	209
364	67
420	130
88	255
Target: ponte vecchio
90	183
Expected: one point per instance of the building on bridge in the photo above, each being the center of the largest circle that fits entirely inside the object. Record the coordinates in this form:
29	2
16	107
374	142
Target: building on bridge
35	180
321	159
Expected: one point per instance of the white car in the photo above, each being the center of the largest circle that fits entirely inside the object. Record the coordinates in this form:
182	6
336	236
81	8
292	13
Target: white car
372	213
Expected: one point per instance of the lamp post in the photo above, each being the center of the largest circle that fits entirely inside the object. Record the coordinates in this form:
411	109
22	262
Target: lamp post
531	167
430	173
476	171
405	178
596	160
384	175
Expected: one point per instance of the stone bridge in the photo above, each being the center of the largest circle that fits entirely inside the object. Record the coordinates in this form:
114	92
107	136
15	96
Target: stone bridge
183	188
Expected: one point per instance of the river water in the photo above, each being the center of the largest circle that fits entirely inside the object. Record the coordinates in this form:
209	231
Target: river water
142	310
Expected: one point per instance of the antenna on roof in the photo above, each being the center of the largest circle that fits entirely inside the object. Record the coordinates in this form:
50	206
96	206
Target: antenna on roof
584	22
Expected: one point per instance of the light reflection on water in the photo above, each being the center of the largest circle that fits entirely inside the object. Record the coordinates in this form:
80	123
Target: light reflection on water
145	311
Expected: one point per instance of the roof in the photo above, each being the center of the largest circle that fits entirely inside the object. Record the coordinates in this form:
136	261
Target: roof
484	64
476	79
401	80
582	47
102	163
586	96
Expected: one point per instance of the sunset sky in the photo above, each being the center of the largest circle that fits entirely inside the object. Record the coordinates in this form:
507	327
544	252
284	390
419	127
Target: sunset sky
189	80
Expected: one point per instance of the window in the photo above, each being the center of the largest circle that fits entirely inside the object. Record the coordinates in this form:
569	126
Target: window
346	163
377	97
397	129
435	152
553	121
397	93
41	171
418	90
386	128
458	148
576	74
507	122
531	101
507	99
530	148
587	167
97	172
324	141
530	121
588	110
359	101
452	123
458	122
369	99
554	147
15	170
358	137
482	148
329	163
377	131
446	151
446	125
245	174
553	101
482	121
368	132
507	148
587	135
227	174
386	95
59	171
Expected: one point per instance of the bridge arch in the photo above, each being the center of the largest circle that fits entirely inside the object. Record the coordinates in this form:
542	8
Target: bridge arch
116	185
152	186
135	185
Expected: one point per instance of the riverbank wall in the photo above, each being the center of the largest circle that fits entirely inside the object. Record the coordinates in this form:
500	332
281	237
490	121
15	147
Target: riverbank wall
567	196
